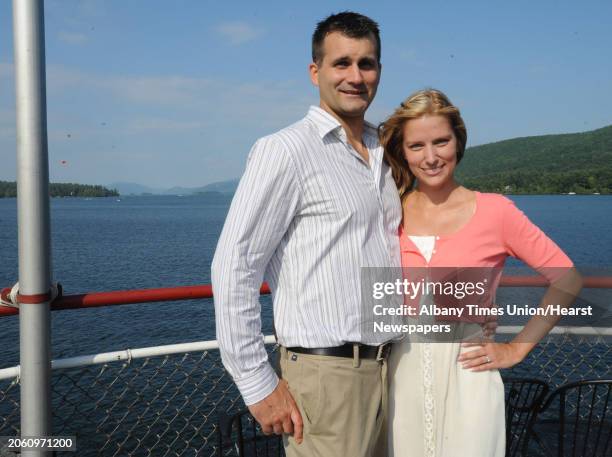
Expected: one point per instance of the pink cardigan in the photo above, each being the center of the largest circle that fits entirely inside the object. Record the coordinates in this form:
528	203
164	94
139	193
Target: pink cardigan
497	229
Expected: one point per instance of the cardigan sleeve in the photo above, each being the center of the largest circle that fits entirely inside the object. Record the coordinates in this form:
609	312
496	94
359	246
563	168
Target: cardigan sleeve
525	241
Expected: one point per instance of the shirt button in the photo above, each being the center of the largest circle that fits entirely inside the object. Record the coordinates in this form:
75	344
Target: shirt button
434	251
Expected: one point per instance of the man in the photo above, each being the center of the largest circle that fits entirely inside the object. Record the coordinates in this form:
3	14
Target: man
315	205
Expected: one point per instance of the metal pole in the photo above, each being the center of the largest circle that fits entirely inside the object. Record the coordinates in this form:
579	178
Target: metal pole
33	221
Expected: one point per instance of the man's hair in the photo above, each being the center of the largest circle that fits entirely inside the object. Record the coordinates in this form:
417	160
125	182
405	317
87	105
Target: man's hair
352	25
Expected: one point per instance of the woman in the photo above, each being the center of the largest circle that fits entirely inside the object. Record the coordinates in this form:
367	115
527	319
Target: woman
447	399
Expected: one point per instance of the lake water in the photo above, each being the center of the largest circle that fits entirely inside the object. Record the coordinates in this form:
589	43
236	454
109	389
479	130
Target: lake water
142	242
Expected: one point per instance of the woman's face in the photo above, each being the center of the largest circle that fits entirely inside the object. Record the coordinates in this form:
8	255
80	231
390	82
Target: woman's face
430	148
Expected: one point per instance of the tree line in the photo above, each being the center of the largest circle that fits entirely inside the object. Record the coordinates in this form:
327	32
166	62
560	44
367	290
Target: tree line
547	164
9	189
588	181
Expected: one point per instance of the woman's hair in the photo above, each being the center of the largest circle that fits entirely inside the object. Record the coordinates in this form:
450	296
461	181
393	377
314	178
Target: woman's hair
391	132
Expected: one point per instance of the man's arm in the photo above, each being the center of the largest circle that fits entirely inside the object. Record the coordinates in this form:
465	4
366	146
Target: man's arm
262	209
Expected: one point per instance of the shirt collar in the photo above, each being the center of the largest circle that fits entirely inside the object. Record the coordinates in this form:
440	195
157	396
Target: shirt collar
327	123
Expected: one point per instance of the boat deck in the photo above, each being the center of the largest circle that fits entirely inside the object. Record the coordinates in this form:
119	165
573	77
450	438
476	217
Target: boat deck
166	401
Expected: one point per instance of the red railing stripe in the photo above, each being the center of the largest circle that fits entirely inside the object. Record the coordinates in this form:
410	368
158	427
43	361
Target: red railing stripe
34	299
589	282
126	297
123	297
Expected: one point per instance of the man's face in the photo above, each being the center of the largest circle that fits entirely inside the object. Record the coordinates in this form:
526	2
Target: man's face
347	76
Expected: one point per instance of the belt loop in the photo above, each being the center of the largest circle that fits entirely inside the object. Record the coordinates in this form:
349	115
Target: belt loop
356	360
383	352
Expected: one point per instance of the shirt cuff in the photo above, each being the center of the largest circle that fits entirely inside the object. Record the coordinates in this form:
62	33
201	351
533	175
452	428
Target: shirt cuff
258	385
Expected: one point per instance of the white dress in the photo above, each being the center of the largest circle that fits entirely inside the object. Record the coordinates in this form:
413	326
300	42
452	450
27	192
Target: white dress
437	408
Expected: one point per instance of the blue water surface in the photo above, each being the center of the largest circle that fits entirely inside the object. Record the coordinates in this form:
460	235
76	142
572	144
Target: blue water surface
141	242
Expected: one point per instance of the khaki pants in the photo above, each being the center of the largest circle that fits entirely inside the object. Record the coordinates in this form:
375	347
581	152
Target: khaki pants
343	403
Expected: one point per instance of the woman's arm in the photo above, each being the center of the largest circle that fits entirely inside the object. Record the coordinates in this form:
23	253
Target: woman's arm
489	356
524	240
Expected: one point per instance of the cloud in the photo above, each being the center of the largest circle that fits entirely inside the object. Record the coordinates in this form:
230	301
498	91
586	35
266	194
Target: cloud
60	77
238	32
72	37
212	122
378	113
183	95
540	70
162	125
410	56
6	70
81	15
7	116
7	132
7	123
166	90
160	90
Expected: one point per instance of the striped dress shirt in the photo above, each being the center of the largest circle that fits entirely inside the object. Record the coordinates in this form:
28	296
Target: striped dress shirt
308	213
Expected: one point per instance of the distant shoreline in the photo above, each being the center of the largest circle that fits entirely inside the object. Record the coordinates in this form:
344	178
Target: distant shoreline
9	189
226	198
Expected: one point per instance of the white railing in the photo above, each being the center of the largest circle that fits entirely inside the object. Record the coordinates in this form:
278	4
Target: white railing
199	346
126	354
165	400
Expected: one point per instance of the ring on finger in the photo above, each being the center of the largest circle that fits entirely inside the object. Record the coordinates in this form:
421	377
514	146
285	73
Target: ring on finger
488	359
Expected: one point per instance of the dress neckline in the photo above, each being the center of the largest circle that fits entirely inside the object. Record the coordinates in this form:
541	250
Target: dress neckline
461	229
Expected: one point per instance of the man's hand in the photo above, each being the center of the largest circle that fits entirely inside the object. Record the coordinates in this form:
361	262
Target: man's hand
278	413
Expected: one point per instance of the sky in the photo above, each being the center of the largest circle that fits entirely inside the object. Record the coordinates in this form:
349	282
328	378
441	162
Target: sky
174	93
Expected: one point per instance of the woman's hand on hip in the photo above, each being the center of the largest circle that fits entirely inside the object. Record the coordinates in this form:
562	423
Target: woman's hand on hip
492	356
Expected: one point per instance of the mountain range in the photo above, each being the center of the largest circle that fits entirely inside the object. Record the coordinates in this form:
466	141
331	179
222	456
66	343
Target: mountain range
564	163
547	164
130	188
